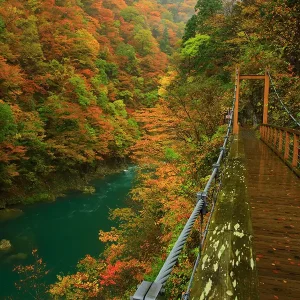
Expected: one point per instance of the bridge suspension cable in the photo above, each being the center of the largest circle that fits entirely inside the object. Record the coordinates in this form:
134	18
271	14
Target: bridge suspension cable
153	290
281	102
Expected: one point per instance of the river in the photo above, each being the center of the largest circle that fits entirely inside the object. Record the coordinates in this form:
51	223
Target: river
63	231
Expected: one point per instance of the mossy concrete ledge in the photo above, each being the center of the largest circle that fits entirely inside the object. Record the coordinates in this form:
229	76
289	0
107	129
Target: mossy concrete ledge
227	269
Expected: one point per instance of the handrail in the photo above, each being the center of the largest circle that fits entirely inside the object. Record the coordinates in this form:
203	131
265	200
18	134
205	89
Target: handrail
290	130
284	142
153	290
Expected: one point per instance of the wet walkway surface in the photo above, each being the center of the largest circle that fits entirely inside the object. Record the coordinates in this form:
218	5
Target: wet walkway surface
227	269
252	248
274	194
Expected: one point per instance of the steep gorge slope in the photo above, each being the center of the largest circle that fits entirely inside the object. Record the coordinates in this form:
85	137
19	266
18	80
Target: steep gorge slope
71	73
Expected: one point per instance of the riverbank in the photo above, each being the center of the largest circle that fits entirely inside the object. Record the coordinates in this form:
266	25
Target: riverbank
49	189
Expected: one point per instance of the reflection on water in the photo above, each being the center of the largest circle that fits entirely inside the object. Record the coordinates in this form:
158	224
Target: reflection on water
62	231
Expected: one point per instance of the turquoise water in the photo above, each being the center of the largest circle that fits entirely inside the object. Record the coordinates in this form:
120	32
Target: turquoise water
63	231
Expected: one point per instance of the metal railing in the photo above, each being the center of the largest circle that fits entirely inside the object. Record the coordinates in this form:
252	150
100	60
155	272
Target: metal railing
284	142
154	290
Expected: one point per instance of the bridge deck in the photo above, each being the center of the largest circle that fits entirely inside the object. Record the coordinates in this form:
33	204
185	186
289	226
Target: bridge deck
274	193
260	197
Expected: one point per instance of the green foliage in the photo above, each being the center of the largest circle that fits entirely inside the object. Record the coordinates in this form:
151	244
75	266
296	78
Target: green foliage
120	108
129	52
2	25
102	99
90	130
150	99
32	53
129	13
38	197
190	29
164	43
84	97
7	123
126	50
134	125
220	133
101	78
171	155
144	41
110	109
127	96
106	69
168	16
34	5
156	267
86	48
207	9
192	46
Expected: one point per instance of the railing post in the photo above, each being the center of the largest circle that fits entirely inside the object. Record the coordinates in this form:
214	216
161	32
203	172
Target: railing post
275	138
261	130
266	98
287	146
272	137
296	150
280	141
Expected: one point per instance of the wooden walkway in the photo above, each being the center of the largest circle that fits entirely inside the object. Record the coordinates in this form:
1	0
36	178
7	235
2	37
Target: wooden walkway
252	249
274	194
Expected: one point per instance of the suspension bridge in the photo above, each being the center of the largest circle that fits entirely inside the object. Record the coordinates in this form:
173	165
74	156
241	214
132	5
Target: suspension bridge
250	245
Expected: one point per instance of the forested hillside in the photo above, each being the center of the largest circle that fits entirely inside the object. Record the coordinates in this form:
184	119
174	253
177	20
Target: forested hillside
182	133
84	82
71	73
255	35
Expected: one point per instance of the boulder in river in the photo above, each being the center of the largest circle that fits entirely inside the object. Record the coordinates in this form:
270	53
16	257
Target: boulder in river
88	189
5	245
